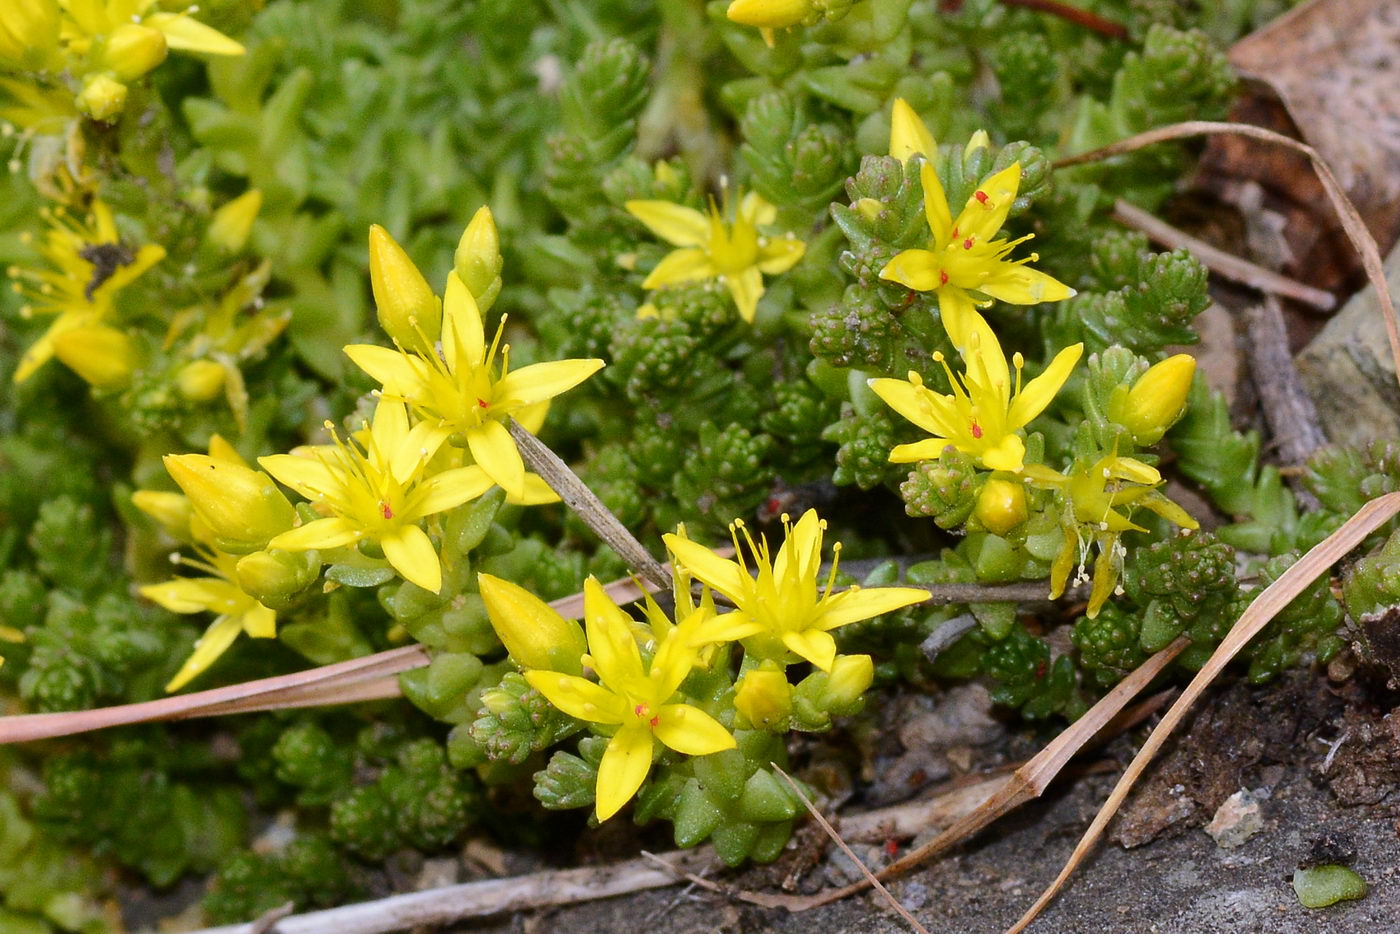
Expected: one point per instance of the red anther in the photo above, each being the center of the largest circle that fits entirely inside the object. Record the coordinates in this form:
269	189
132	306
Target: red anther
483	403
655	722
891	847
385	510
976	429
981	197
639	709
967	244
774	504
942	277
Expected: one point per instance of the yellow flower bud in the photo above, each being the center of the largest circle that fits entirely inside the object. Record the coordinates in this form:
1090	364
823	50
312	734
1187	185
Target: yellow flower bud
242	508
1001	506
409	312
770	14
231	224
171	510
869	209
764	697
1157	399
533	633
273	575
200	380
101	355
102	97
979	140
477	261
132	50
850	677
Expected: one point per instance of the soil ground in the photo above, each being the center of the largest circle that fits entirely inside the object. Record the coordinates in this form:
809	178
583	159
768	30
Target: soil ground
1281	742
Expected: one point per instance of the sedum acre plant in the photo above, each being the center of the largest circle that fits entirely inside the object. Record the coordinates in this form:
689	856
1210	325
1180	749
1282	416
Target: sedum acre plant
387	324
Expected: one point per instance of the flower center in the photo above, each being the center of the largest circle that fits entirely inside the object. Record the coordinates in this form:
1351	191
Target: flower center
643	712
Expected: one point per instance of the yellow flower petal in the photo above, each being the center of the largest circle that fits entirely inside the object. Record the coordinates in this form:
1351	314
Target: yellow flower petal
814	645
1038	393
756	211
769	14
680	266
926	450
400	374
190	35
936	210
195	595
625	765
959	315
780	255
987	207
334	532
539	382
746	288
858	603
691	731
578	697
260	622
216	639
1008	455
1019	284
724	576
909	135
493	448
449	489
928	410
674	223
308	476
1169	510
463	336
919	270
537	493
802	548
411	553
610	641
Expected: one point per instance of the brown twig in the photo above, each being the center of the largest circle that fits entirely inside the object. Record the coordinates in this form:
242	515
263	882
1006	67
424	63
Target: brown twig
1218	261
1261	611
836	838
1091	21
1288	409
583	501
1352	223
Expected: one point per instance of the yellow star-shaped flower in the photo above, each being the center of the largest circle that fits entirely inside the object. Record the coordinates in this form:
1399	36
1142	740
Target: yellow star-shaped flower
711	246
379	493
780	607
461	392
635	697
982	416
964	264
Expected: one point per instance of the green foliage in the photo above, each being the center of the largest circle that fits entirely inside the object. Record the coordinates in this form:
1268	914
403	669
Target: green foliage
308	872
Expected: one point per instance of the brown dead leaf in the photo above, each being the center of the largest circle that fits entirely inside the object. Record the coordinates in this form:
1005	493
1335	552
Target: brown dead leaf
1334	64
1326	73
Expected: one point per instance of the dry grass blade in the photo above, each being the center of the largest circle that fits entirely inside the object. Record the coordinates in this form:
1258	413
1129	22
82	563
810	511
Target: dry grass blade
1352	223
583	501
836	838
1218	261
1030	780
264	694
373	677
1266	605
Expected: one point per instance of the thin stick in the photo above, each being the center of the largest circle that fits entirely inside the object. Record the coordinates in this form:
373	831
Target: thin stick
1092	21
263	694
583	501
1266	605
1352	223
372	677
836	838
1218	261
1288	409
